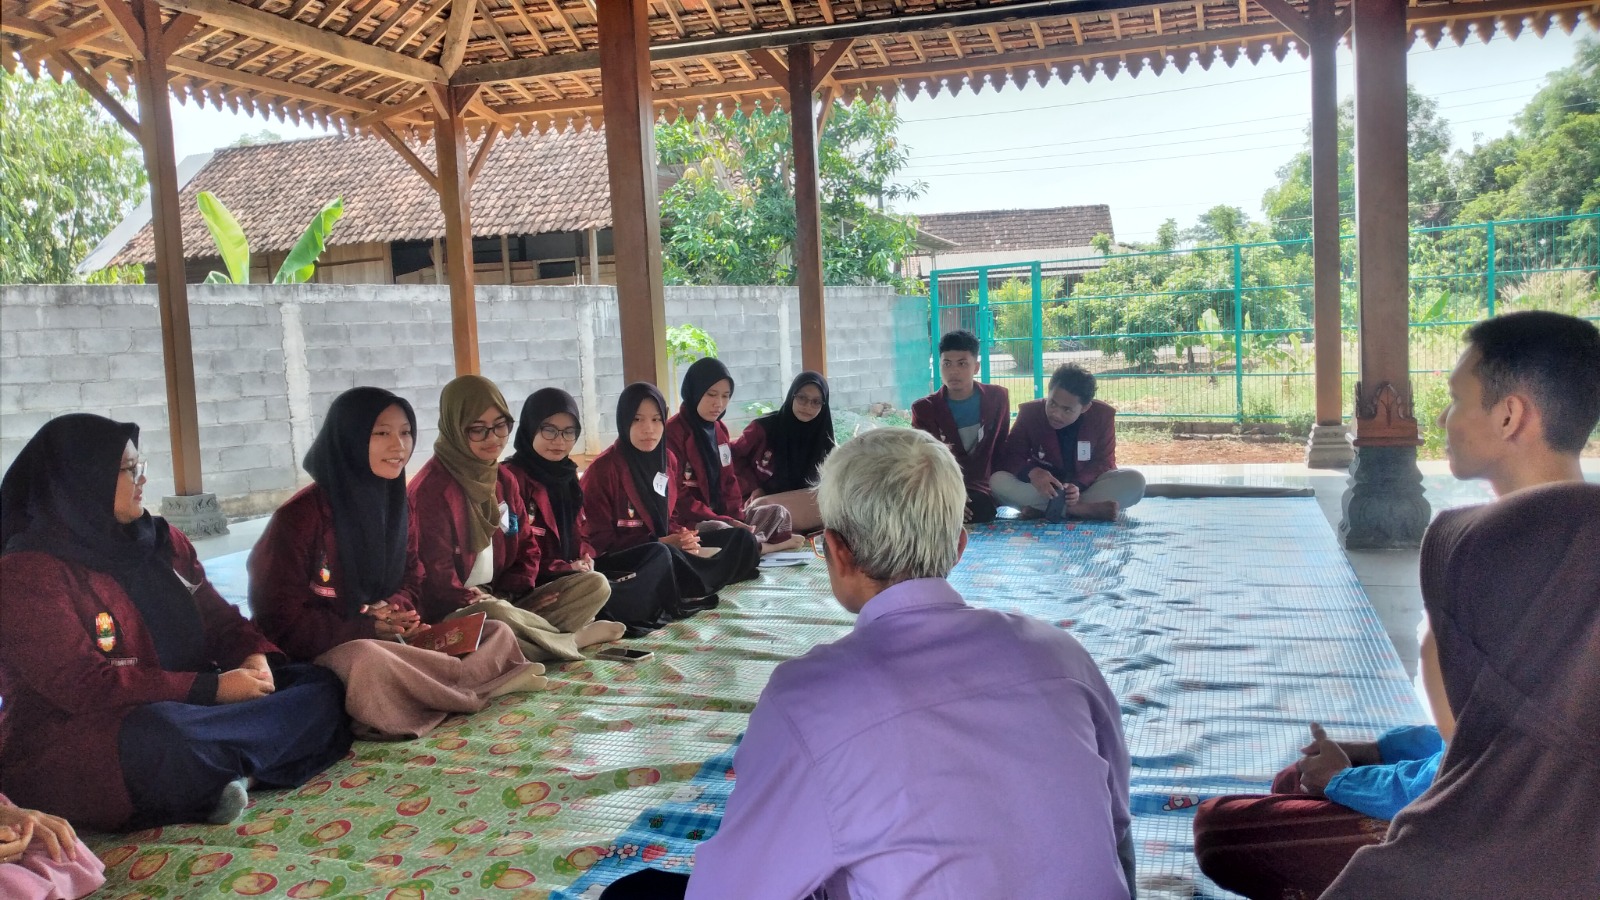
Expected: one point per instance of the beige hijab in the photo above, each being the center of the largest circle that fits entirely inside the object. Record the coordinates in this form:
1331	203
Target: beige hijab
460	404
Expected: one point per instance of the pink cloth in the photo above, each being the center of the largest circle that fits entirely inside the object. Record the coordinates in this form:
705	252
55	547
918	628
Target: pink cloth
38	877
397	692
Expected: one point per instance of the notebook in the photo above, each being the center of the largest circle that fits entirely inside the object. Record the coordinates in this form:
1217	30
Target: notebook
457	637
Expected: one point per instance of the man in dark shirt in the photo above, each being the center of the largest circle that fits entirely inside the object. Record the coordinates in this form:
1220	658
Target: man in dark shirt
969	417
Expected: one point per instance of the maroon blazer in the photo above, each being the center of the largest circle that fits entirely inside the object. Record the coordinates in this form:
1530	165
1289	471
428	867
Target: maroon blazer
297	586
67	693
544	528
439	520
932	414
1033	442
612	509
752	461
693	503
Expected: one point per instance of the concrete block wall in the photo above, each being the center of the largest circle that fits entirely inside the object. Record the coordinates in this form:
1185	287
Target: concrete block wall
269	360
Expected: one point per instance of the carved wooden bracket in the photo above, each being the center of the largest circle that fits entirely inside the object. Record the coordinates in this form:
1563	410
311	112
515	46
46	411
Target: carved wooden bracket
1384	417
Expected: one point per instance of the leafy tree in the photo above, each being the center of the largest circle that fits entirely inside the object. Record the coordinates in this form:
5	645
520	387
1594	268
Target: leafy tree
1288	204
68	174
253	138
730	217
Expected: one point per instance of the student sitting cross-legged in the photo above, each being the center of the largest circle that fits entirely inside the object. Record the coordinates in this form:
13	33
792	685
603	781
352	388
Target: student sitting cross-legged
708	495
938	749
476	551
334	579
969	417
628	499
778	455
135	695
652	583
1060	459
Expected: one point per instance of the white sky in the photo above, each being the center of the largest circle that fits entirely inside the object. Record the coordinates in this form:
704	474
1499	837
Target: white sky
1151	147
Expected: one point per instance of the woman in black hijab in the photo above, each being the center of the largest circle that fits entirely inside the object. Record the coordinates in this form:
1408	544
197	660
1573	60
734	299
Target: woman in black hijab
628	494
778	456
1512	591
138	696
708	493
652	583
334	579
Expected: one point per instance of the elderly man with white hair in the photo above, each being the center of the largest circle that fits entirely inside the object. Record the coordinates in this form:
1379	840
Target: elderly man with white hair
936	751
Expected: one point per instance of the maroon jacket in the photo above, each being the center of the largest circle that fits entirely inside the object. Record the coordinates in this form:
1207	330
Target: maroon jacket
544	528
439	520
1033	442
693	503
66	695
932	414
296	585
752	461
612	511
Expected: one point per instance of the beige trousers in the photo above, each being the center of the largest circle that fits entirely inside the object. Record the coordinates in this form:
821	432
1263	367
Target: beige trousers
1125	486
545	618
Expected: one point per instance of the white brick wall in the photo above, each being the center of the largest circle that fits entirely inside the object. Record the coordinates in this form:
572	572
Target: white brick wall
97	348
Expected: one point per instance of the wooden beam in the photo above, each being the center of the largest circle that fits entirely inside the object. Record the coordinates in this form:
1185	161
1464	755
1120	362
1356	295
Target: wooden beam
457	35
807	211
419	101
66	40
176	32
88	82
658	98
827	95
306	38
495	29
166	216
769	62
630	150
455	199
822	69
1326	278
120	14
1289	17
481	156
382	129
276	87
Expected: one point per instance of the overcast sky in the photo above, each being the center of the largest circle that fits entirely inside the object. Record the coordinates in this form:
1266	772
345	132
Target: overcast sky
1150	147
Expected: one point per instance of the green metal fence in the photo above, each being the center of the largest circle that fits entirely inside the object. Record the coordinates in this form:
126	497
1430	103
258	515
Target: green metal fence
1224	332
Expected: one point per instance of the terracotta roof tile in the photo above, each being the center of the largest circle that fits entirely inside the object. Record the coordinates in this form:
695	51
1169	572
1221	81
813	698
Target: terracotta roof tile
1020	229
531	184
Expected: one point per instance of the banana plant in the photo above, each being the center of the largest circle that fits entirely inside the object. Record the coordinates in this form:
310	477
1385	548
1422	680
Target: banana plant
301	262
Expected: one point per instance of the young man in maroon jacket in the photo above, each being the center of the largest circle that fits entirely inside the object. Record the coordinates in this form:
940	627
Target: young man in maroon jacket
970	418
1060	459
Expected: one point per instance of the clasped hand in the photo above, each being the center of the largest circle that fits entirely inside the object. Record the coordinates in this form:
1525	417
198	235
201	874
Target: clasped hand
389	622
1323	759
1048	485
18	828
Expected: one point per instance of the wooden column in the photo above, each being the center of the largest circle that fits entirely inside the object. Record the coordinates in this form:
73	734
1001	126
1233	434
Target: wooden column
807	210
1384	506
166	216
1325	211
631	158
455	199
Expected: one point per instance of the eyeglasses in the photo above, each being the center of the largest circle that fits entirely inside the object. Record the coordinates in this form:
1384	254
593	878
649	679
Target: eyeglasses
480	433
552	433
807	402
819	544
135	469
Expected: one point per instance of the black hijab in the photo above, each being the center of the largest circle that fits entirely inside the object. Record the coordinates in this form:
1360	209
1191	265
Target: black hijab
1512	590
59	498
370	514
699	378
560	479
644	467
798	448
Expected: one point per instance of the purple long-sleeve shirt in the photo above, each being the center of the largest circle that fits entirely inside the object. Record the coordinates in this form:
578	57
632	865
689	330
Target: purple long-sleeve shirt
937	751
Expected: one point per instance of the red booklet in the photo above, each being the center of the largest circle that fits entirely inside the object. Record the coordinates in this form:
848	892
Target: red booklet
457	637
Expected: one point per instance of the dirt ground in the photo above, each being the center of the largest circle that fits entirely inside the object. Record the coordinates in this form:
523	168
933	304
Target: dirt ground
1167	452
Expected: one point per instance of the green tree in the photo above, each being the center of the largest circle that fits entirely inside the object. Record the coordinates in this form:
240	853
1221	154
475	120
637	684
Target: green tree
68	174
730	218
254	138
1288	204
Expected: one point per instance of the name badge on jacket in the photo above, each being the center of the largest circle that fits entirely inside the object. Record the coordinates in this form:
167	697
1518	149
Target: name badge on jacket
725	454
1084	448
660	483
508	523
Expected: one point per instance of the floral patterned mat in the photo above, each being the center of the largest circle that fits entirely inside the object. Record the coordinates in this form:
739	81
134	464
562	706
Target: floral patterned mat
1224	626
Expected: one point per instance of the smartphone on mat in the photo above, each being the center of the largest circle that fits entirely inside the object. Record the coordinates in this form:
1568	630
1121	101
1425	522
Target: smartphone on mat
624	654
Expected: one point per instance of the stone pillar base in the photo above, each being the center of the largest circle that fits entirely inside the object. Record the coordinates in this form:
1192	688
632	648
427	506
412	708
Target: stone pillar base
1384	508
196	515
1329	447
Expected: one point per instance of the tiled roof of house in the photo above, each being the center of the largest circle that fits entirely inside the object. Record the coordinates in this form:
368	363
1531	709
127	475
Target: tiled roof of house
530	184
1020	229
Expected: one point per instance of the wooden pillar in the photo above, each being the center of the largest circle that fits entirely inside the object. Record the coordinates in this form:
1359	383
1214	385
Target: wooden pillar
1383	507
172	294
807	210
455	199
594	256
631	158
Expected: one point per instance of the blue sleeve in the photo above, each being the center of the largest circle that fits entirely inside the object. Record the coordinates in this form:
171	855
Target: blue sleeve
1410	742
1382	791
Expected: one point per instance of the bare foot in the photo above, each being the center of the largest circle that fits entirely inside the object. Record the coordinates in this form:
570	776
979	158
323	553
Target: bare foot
599	633
1030	513
528	680
1099	510
795	542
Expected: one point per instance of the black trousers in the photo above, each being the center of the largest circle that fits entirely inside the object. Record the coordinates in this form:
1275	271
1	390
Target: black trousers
649	884
177	757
